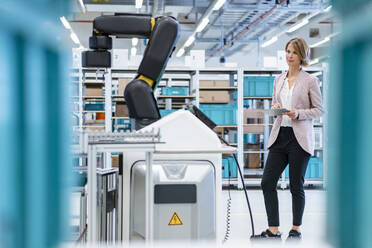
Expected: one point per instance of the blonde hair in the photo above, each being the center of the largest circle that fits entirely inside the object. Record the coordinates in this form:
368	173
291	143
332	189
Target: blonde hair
301	48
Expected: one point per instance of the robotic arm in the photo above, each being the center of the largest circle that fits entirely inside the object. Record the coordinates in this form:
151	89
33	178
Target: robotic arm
162	32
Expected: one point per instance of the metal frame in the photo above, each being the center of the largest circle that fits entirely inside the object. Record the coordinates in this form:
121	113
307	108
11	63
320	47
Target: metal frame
95	142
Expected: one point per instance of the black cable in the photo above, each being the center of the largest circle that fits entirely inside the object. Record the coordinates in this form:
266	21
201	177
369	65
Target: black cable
82	234
208	122
245	190
228	212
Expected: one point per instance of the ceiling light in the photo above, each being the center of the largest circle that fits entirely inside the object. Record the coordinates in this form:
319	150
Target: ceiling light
139	4
65	22
202	25
314	61
74	38
133	51
328	8
180	52
219	4
269	42
134	41
83	9
189	41
297	26
320	42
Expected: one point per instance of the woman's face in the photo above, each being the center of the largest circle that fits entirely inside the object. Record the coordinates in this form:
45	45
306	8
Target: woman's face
293	59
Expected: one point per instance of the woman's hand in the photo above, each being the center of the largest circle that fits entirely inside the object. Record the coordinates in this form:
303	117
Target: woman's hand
277	106
292	114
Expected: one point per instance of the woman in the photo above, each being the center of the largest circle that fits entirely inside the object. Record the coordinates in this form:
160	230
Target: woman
291	138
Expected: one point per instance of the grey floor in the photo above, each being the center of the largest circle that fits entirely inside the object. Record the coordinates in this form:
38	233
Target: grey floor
313	228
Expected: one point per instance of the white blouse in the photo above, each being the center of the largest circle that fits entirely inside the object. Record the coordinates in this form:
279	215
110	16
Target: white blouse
286	98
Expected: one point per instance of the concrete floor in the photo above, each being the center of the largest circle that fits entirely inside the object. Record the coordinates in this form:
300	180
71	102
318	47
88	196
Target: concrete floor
313	228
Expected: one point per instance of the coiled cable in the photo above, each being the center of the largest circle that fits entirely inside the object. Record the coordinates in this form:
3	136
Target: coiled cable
245	190
228	215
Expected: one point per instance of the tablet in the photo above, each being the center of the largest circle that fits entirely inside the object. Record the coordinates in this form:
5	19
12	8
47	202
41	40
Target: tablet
274	112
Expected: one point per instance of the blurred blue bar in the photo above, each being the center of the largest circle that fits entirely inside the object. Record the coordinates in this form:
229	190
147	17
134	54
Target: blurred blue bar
350	134
34	135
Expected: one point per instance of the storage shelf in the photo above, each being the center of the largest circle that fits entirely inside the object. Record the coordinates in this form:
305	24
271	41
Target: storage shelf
93	97
308	181
256	151
162	96
173	103
257	98
231	179
257	124
218	88
94	100
93	111
226	126
91	126
252	181
184	76
93	82
173	107
119	117
249	171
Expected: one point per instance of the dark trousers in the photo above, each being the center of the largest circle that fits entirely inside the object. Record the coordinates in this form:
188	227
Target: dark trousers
285	150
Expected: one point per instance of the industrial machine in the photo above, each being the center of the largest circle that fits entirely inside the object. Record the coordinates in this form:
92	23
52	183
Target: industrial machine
180	186
162	34
186	179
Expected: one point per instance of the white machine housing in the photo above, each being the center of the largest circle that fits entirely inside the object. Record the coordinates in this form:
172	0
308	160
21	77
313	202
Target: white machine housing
184	138
184	200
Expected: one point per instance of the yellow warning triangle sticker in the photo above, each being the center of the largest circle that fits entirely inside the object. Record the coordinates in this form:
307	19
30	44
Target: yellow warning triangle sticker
175	220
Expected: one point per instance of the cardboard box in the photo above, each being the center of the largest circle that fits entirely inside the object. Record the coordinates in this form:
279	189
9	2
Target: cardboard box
100	116
252	160
122	84
115	161
253	113
254	128
214	83
95	121
252	116
121	110
93	90
96	127
214	96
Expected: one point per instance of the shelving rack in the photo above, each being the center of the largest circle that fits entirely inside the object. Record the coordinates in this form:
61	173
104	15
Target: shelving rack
321	73
189	77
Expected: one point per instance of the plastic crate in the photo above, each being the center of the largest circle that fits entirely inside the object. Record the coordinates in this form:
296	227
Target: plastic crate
123	121
221	114
164	112
94	106
258	86
175	91
245	102
314	169
229	167
247	138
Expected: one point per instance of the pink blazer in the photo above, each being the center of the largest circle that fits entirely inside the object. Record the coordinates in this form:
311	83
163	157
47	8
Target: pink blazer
307	101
